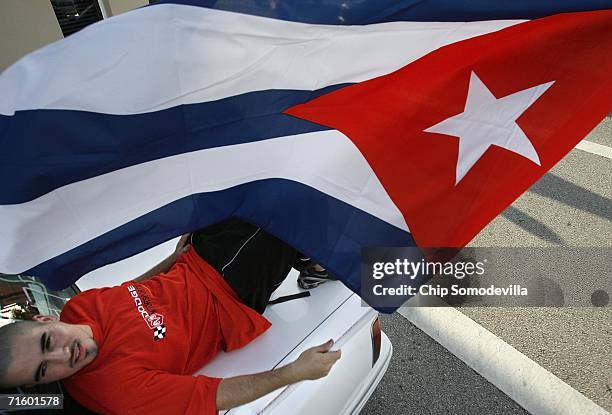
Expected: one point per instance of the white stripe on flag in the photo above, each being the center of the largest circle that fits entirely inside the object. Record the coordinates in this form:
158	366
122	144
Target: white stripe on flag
40	229
159	57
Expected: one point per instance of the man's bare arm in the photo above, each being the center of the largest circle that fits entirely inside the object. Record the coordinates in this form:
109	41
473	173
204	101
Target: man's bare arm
313	363
166	264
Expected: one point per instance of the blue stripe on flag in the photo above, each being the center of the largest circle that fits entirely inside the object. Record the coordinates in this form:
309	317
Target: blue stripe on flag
351	12
317	224
77	145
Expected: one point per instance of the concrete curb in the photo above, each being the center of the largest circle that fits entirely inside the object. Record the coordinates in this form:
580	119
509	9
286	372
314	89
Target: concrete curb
523	380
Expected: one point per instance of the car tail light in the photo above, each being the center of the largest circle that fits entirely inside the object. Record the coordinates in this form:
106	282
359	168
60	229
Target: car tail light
375	330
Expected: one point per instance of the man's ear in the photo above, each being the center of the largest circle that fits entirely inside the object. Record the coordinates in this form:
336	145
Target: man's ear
44	319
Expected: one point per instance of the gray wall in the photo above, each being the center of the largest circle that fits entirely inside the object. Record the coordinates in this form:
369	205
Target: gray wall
25	25
115	7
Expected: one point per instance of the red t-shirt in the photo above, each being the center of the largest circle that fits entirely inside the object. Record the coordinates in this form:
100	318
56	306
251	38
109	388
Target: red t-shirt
153	335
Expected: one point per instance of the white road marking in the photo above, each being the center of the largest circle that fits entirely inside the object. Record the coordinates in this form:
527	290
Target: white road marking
523	380
595	148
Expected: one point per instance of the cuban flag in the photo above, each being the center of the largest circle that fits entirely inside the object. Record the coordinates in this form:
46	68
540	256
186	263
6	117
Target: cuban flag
334	125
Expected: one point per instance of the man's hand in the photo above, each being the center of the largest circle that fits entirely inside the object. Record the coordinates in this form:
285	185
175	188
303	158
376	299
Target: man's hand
313	363
316	362
166	264
181	246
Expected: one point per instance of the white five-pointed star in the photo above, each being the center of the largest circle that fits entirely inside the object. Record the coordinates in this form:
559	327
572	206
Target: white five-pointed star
488	121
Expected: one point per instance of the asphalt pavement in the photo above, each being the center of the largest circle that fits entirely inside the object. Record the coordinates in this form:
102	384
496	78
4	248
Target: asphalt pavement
426	379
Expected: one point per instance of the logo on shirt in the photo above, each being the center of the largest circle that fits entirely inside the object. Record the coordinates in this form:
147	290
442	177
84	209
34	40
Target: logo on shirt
154	320
159	332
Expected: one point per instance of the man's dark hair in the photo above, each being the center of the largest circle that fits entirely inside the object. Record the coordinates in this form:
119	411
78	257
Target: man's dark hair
7	342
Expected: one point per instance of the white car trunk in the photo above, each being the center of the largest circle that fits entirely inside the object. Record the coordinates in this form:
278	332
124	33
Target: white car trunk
292	322
332	311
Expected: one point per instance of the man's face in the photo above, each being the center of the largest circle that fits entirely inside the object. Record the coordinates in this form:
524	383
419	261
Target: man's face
50	351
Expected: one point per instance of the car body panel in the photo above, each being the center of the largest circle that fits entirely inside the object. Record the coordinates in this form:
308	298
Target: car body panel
292	322
336	313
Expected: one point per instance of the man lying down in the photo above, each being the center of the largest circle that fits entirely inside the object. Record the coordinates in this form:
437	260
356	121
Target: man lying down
133	348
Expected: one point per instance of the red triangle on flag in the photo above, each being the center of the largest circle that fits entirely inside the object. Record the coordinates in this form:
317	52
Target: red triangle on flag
386	118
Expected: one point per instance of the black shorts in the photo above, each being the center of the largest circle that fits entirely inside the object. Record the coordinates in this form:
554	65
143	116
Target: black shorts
253	262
